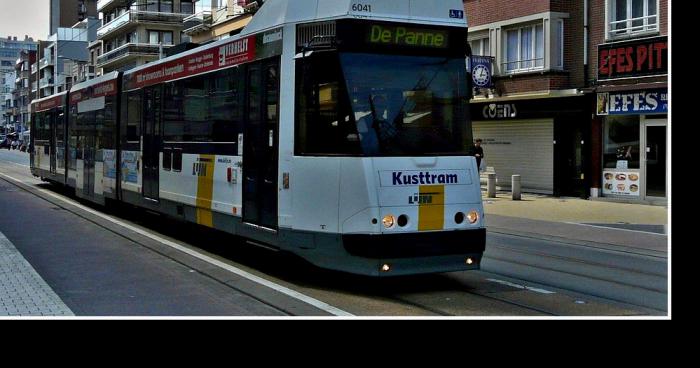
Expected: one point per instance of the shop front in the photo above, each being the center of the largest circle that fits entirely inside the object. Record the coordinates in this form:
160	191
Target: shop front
632	109
543	140
634	144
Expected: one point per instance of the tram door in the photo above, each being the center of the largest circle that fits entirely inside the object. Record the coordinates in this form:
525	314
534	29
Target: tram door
151	142
52	142
261	145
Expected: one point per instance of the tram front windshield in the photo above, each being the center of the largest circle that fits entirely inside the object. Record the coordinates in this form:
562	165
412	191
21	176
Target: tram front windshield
376	105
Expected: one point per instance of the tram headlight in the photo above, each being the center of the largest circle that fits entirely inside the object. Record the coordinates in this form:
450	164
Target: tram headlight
473	217
388	221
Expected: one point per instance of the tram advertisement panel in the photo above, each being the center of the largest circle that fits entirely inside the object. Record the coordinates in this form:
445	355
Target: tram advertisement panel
232	53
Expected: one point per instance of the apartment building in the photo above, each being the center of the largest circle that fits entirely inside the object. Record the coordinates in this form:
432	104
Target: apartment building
218	19
66	13
64	51
21	95
629	49
10	50
135	32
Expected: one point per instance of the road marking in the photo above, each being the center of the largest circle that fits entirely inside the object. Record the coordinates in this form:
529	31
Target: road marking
518	286
279	288
14	163
615	228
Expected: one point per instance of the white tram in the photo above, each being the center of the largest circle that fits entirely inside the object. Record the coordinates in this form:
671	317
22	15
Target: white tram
337	130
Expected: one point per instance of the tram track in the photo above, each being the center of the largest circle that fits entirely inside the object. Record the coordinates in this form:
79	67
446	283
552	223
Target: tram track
500	306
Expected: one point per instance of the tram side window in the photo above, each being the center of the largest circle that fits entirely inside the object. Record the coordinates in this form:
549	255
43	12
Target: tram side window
133	117
207	108
324	122
226	107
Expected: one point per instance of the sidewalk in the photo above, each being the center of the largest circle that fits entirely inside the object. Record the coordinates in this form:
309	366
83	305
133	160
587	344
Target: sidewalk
632	227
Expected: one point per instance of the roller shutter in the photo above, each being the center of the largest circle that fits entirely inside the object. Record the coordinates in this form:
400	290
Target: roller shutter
519	147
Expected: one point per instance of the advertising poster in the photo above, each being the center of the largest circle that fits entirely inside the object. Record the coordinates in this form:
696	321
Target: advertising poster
110	164
624	183
130	166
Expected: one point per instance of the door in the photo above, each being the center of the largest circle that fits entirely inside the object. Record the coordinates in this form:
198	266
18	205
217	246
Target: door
655	160
52	142
261	146
151	142
89	160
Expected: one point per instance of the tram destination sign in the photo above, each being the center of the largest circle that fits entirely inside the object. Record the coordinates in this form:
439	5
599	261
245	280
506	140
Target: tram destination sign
380	34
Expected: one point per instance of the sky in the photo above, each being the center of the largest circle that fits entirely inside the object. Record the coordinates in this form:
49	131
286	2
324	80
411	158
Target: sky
24	17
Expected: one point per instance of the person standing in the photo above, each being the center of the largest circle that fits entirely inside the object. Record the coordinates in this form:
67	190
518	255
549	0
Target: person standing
478	152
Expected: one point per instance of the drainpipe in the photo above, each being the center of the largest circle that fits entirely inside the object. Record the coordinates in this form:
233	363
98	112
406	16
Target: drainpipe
585	44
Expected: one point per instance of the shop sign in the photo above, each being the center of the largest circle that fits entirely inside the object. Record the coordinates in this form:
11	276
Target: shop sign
481	69
633	103
500	111
638	58
624	183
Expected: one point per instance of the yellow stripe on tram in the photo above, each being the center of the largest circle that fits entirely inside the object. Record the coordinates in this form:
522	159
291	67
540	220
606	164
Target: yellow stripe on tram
205	189
431	212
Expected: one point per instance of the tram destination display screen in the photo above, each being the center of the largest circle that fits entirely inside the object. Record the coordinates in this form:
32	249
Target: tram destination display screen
365	36
410	37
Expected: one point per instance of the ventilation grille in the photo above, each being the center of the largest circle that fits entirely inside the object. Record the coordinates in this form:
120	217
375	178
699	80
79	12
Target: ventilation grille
322	34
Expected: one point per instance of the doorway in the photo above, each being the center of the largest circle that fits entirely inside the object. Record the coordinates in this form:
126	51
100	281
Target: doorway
655	158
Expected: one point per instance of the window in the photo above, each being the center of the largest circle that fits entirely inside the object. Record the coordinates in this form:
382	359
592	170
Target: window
204	109
558	53
186	7
628	17
133	117
480	47
157	37
166	6
524	49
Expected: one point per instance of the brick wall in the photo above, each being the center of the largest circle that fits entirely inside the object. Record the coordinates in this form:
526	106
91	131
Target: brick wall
597	27
481	12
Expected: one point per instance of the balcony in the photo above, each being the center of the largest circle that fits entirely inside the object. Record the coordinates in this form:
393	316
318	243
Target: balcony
104	6
46	62
45	82
199	22
132	18
128	52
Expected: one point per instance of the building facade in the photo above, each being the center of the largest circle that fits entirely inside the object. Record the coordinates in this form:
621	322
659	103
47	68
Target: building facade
66	13
21	95
529	108
218	19
629	48
10	50
135	32
63	55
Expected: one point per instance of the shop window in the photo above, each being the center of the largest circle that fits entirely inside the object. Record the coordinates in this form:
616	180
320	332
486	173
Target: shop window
621	142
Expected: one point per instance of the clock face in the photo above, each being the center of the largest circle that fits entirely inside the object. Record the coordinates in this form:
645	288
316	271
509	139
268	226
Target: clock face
481	75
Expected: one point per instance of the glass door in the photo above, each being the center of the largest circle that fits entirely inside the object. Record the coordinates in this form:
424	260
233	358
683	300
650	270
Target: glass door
655	151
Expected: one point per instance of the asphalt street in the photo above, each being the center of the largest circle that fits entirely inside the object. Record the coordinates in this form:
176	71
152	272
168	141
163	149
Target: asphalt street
124	262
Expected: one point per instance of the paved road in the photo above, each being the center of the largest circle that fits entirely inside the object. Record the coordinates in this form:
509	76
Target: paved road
97	266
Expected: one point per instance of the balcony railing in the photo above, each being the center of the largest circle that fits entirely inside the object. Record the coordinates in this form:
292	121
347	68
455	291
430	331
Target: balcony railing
645	24
522	66
47	61
129	49
133	17
46	82
106	5
34	86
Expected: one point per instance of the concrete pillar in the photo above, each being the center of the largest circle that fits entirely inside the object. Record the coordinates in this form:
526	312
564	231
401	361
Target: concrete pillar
516	187
491	185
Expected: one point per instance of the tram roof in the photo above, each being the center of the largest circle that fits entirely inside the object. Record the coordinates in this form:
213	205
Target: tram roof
274	13
94	81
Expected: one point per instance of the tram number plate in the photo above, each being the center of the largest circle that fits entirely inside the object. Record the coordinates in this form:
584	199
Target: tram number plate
362	8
